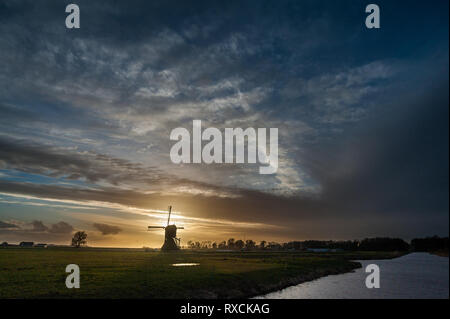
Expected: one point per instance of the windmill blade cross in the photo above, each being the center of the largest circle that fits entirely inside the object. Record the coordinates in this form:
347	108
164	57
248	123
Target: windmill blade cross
168	219
154	227
171	242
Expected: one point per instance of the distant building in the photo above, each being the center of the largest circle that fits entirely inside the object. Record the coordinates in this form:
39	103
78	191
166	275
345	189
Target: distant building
26	244
41	245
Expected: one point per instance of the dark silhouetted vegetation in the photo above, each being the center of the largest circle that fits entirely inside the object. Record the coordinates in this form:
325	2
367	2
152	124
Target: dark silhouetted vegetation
79	239
430	244
383	244
368	244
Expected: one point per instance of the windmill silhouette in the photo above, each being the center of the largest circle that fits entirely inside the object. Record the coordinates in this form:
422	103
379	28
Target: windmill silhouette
171	242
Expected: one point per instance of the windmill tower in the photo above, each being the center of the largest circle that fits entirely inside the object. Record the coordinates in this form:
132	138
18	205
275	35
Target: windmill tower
171	242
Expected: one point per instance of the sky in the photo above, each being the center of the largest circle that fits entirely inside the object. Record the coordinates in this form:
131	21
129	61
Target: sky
86	114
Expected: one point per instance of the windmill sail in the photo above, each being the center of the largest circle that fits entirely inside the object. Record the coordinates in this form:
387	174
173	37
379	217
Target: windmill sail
168	219
171	242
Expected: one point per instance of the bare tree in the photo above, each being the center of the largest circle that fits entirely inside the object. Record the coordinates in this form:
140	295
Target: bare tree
79	239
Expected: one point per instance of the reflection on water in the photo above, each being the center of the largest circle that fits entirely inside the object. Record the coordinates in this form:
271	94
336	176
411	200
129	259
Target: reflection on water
417	275
185	264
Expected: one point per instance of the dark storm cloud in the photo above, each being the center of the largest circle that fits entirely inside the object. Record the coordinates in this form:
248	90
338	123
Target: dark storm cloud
396	164
107	229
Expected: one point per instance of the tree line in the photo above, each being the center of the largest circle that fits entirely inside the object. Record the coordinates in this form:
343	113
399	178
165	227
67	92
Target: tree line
368	244
434	243
428	244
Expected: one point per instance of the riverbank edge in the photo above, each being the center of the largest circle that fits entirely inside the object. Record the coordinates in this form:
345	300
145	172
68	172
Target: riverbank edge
297	280
440	253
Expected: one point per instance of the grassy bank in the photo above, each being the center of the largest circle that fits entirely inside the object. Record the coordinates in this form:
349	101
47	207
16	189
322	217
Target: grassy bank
109	273
442	253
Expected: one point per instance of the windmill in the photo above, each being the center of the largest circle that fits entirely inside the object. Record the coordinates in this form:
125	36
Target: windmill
171	242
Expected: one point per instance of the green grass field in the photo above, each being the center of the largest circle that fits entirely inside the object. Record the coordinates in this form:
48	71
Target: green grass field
114	273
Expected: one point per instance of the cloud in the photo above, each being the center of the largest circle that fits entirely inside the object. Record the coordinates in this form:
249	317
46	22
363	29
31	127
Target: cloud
341	97
90	166
95	168
364	178
201	67
107	229
37	231
61	228
57	228
38	226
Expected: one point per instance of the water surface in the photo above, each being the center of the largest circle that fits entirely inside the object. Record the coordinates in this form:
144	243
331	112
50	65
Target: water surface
417	275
